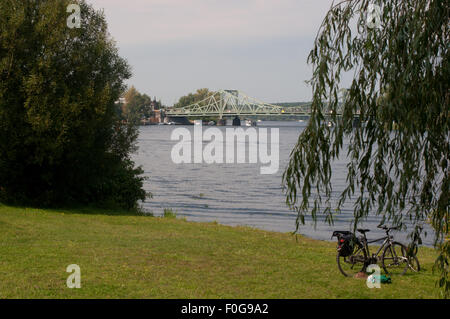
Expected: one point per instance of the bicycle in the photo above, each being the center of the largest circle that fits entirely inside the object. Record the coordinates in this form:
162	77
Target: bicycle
396	257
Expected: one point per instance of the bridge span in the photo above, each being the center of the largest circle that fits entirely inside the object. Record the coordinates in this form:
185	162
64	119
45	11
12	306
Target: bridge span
232	103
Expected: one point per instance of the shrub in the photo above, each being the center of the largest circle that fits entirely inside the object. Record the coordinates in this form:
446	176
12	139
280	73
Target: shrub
61	141
169	213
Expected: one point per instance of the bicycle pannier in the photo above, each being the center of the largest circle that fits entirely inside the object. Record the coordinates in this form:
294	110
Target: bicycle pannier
346	242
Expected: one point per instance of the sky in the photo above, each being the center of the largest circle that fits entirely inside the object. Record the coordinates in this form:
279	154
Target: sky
175	47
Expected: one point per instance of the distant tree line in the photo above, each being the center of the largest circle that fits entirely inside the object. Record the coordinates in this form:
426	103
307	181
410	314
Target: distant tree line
291	104
134	106
193	98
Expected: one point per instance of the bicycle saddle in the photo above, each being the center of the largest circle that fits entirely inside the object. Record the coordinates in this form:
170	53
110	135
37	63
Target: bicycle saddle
362	231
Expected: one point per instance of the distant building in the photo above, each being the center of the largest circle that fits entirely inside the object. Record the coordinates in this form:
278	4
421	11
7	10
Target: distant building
156	118
151	113
155	105
121	100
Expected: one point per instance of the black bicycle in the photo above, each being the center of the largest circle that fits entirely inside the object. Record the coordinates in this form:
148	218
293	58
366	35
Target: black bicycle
354	256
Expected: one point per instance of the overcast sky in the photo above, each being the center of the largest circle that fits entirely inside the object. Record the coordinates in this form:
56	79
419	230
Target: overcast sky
255	46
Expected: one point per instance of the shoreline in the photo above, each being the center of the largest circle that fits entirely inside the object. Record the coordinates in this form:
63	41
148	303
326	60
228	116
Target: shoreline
370	235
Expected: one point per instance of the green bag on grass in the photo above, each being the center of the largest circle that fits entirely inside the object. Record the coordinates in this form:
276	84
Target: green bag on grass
382	278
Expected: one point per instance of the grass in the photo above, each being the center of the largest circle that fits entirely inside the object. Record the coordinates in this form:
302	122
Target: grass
169	213
123	256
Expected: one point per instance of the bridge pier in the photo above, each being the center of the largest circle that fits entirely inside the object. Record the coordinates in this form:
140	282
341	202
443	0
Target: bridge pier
236	121
221	122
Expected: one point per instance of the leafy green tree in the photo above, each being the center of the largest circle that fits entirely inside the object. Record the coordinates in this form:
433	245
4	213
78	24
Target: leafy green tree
61	140
130	108
137	106
399	156
192	98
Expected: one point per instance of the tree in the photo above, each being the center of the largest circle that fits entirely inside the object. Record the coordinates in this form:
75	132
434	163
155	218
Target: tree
192	98
137	106
398	159
61	141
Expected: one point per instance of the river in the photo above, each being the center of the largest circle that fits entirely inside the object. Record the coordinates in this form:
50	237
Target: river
235	194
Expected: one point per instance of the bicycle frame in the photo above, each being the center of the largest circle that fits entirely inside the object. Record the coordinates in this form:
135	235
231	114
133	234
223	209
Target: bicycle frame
387	240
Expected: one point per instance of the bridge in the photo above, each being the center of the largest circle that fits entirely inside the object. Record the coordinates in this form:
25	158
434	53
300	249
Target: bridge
230	103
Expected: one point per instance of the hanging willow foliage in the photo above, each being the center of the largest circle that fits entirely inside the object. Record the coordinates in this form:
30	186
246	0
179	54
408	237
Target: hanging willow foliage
398	158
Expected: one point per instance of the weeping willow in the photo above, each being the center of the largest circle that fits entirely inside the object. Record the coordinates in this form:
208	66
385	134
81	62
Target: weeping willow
397	53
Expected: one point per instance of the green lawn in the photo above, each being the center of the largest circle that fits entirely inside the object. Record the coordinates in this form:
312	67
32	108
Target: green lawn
124	256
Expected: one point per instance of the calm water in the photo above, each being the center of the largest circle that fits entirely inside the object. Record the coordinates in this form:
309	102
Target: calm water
234	194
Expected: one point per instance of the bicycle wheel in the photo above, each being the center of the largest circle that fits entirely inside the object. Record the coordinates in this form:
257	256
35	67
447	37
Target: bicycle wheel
353	264
395	260
413	263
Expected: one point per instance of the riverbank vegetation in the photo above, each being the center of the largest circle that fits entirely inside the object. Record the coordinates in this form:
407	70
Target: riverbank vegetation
134	106
132	256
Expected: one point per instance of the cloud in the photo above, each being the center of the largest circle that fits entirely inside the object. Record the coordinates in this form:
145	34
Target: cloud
178	46
137	21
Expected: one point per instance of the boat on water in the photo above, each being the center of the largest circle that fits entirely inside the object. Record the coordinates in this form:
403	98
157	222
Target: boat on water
250	123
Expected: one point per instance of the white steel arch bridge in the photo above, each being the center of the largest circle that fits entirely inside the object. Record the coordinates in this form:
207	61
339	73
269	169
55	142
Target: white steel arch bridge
225	103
